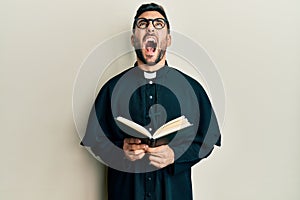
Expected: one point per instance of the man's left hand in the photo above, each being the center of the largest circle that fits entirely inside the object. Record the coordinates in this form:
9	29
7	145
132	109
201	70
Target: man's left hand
161	156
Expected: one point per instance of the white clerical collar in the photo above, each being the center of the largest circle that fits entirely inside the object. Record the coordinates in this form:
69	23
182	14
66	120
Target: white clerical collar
150	75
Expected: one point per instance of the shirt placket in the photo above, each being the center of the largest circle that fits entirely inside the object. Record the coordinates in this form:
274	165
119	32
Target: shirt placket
149	189
150	96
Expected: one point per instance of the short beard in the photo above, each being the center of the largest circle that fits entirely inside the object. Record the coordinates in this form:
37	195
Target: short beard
139	54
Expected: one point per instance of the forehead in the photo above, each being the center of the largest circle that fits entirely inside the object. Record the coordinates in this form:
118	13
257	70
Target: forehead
151	15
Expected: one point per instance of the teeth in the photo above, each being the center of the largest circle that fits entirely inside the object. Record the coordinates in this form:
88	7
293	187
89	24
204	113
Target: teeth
150	39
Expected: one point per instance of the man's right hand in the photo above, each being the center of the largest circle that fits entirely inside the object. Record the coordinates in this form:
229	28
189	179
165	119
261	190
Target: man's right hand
133	149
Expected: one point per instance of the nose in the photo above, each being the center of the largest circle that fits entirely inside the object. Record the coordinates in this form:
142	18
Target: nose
150	28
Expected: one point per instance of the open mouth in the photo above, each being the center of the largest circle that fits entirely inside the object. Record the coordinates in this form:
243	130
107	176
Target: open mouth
150	45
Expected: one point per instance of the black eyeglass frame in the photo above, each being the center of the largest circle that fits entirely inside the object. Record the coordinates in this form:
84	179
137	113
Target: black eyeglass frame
152	20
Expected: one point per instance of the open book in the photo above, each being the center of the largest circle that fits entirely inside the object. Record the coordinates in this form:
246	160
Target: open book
163	135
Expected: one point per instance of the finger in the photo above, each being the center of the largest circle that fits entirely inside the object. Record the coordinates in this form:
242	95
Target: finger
162	157
134	157
140	156
156	159
137	152
157	149
133	144
131	157
133	147
157	165
132	140
158	154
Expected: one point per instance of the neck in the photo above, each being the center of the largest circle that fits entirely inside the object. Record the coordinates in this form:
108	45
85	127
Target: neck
151	68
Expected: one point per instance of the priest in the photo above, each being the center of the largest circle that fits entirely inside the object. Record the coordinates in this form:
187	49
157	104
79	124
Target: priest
150	94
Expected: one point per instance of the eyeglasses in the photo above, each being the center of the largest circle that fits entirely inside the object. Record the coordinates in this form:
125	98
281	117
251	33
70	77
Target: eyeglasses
158	23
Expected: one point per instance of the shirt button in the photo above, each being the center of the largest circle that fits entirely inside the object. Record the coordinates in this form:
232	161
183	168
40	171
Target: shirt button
149	194
150	129
149	178
150	82
150	96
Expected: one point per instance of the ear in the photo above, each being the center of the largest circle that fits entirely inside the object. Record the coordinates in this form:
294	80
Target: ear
169	40
132	40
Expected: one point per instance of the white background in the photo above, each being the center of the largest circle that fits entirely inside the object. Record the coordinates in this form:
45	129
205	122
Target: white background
255	45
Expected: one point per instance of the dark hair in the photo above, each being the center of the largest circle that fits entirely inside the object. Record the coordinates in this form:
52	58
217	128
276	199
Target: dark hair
151	7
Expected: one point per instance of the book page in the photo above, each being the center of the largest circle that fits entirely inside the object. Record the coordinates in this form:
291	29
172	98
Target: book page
134	126
172	126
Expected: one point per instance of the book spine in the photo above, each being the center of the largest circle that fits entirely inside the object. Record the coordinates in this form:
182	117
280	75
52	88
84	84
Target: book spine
151	142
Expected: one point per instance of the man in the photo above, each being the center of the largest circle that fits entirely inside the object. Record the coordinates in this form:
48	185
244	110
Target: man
150	94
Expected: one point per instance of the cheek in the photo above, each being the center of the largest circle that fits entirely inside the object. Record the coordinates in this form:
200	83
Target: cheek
138	39
136	42
164	40
139	34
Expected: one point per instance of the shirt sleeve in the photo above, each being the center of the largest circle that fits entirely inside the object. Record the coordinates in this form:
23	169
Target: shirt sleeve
104	137
207	137
101	133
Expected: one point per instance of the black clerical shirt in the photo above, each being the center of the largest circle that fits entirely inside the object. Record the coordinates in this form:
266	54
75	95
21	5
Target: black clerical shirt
151	99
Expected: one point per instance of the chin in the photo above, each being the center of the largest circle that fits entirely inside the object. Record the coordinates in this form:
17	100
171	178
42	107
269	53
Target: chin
151	63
